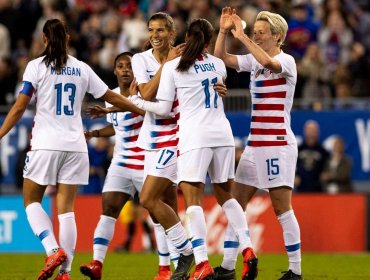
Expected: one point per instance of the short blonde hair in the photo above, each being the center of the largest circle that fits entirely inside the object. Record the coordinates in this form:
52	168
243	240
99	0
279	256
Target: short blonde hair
278	24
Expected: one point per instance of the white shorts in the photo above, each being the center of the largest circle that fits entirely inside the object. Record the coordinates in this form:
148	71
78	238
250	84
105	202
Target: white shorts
123	179
161	163
219	162
267	167
46	167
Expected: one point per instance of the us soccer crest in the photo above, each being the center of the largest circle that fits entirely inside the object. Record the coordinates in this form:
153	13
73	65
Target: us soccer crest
265	72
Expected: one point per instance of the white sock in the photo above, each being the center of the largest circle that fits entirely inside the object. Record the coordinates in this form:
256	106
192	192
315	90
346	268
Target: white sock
231	248
42	227
236	217
292	240
198	228
174	253
162	247
67	238
177	235
102	236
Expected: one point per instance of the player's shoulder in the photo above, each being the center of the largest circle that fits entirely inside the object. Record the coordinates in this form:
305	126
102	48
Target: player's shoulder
284	56
145	55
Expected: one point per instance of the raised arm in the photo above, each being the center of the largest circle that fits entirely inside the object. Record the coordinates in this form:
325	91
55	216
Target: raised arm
226	24
15	113
259	54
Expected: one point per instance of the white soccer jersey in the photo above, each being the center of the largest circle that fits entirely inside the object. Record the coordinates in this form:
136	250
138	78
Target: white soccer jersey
127	126
157	132
272	99
202	121
57	123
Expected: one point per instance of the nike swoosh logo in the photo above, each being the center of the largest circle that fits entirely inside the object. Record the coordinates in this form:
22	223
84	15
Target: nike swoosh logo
270	179
159	167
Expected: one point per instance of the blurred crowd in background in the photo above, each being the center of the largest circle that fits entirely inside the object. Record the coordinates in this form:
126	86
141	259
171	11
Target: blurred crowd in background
330	39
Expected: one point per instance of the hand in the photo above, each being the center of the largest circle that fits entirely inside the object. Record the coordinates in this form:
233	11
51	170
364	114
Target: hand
175	52
226	22
88	135
221	89
133	89
97	111
238	30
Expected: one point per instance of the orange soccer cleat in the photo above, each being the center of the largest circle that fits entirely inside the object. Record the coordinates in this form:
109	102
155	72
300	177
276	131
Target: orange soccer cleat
250	263
92	270
164	273
203	271
51	263
63	276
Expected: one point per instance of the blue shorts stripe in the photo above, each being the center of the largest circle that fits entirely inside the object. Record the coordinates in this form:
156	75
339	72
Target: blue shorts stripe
183	244
231	244
44	234
163	254
197	242
294	247
101	241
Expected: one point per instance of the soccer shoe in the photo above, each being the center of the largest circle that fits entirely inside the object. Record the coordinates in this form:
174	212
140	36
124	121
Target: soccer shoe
92	270
290	275
203	271
51	263
184	266
224	274
250	263
63	276
164	273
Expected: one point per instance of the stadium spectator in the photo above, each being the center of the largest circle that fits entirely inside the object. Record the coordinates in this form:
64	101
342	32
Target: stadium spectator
269	159
312	158
8	81
58	154
314	76
211	149
336	176
303	30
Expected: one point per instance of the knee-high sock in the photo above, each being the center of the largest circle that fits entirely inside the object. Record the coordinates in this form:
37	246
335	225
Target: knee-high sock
178	238
162	247
231	248
42	227
102	236
198	228
174	253
292	240
67	238
236	217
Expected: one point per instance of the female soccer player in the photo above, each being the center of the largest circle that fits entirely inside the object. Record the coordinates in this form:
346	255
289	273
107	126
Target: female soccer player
125	174
58	151
158	136
269	159
206	143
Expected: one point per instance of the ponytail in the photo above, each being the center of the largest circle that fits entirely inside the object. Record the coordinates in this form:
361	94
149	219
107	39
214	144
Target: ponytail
56	48
198	36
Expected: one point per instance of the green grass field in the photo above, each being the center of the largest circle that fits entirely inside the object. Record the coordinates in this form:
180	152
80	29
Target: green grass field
144	266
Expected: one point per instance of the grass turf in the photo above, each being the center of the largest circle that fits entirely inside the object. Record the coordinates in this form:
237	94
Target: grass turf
144	266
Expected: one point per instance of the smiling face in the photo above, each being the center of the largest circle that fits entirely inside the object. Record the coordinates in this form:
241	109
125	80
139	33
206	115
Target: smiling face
263	37
160	36
123	70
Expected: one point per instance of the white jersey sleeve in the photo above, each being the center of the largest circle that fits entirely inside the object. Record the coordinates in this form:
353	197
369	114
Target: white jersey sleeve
96	87
245	62
139	67
167	87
